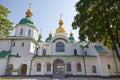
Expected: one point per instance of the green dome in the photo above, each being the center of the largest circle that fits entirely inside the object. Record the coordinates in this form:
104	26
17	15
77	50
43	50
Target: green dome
27	20
71	38
39	40
48	39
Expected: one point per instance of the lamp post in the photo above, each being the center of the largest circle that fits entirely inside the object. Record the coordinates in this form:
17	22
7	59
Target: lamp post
83	55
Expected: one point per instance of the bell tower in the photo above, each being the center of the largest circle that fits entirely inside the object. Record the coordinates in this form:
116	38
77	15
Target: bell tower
26	26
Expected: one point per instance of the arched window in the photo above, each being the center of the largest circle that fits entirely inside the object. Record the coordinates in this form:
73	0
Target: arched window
48	67
85	53
29	32
22	44
75	52
21	31
14	44
44	52
94	69
60	47
39	67
79	67
17	54
68	67
109	66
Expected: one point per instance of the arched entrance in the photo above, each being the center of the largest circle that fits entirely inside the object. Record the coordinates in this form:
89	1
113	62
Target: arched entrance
23	69
58	68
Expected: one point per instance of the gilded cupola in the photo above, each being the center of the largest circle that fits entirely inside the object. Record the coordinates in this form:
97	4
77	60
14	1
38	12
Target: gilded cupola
60	29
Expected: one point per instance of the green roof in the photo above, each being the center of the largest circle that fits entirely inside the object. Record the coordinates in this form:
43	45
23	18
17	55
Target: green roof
71	38
48	39
3	54
100	49
27	20
39	40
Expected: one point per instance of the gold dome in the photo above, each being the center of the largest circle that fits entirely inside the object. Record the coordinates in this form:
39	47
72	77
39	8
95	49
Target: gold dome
29	12
61	22
40	35
60	30
71	34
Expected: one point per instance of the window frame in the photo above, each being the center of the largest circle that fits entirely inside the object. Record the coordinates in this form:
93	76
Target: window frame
38	67
60	47
44	52
21	31
69	67
48	67
79	67
13	44
75	52
29	32
22	44
109	67
94	69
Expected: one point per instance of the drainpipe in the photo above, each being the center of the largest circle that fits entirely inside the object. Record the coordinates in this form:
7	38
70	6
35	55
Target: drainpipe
32	60
83	58
115	64
8	57
31	65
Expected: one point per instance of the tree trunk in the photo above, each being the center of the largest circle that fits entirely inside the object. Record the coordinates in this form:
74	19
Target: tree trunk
113	40
117	38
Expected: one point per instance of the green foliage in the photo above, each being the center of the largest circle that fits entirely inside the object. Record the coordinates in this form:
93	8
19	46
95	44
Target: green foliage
93	19
5	24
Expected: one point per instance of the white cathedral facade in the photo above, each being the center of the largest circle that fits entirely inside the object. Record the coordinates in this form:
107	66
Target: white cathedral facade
58	56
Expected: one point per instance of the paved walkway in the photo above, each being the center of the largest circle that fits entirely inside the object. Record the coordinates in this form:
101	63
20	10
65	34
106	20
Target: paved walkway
48	78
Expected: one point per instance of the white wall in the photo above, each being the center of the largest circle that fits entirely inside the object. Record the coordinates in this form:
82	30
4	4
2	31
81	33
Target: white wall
3	65
5	45
19	49
32	47
26	29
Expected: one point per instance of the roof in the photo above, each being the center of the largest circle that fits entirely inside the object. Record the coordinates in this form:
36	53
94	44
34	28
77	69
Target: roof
27	20
71	38
100	49
48	39
3	54
39	40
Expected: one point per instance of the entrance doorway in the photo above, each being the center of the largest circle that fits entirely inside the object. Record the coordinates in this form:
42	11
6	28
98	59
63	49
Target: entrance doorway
23	69
58	69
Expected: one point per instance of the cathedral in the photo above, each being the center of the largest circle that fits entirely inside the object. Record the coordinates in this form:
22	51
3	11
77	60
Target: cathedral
58	56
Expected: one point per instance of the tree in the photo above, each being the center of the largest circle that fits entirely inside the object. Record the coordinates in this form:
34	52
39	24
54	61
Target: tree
99	20
5	24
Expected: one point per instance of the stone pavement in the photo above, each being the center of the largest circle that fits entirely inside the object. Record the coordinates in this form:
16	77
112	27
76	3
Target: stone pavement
48	78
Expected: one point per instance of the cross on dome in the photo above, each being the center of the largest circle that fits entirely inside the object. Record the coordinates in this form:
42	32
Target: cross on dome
30	5
29	11
60	16
40	35
61	21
